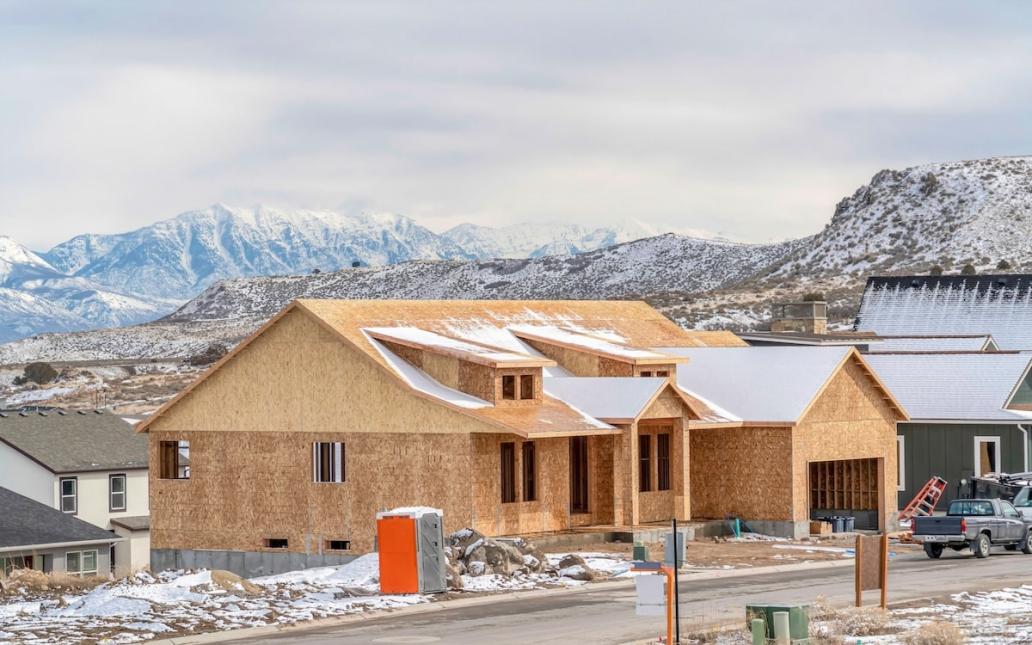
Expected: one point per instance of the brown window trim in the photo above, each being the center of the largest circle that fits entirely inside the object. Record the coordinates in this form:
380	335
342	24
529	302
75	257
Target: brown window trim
580	483
125	493
341	545
165	448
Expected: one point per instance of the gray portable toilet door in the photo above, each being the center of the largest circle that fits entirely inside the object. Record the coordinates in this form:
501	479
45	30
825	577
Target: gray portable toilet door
431	554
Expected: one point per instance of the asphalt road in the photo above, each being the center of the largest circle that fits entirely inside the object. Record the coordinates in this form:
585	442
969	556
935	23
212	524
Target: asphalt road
607	615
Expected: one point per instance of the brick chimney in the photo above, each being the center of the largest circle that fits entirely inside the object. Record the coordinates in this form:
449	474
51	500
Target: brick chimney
809	317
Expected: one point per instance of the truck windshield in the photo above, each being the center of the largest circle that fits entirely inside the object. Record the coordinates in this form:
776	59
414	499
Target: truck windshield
971	508
1023	498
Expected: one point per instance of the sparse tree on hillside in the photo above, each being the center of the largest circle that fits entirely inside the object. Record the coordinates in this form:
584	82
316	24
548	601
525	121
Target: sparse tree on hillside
969	269
935	270
1003	265
39	373
813	296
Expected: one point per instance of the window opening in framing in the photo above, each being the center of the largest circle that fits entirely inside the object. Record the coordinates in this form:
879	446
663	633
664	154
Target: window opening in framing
328	462
508	463
644	463
663	461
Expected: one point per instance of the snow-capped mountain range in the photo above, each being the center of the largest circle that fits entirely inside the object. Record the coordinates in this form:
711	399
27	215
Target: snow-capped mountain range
94	280
945	214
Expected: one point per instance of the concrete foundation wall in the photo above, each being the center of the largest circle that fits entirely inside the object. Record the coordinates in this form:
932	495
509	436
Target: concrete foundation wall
247	564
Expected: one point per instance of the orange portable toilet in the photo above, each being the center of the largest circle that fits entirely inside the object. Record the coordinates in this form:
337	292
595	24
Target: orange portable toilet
411	546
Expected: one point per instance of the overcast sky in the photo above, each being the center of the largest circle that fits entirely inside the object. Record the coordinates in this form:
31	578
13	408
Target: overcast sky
748	120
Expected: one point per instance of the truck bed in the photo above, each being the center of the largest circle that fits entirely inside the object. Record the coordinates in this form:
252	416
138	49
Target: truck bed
937	525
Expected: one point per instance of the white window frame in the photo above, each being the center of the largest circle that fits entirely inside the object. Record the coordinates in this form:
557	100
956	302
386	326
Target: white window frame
336	474
979	440
74	496
124	493
901	462
81	556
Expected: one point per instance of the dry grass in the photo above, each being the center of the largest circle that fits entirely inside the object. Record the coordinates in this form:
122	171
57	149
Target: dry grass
35	581
936	633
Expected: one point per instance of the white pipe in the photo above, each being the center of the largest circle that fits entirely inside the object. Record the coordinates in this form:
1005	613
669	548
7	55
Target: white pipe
782	629
1024	444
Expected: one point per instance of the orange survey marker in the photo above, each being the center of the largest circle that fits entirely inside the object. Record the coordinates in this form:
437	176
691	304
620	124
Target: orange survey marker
924	502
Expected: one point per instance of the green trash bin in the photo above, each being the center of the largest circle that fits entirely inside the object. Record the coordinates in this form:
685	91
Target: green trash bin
641	552
798	620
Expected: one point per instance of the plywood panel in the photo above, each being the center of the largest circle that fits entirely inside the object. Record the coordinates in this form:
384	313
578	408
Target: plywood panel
245	487
744	472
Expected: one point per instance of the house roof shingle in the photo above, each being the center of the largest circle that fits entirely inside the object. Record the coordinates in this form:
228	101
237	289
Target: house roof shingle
955	387
769	384
998	305
26	522
75	442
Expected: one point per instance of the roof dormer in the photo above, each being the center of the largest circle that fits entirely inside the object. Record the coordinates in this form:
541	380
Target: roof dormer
497	376
585	354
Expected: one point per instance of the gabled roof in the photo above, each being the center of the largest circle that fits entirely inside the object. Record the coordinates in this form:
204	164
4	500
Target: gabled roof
973	387
25	522
998	305
485	322
769	385
612	399
935	344
75	442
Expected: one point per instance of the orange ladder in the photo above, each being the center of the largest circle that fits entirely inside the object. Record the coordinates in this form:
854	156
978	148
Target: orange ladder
924	502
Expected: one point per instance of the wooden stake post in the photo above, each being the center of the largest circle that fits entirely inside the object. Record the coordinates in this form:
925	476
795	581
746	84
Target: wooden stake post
872	566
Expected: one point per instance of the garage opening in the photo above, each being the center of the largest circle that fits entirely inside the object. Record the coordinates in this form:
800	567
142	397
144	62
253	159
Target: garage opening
845	488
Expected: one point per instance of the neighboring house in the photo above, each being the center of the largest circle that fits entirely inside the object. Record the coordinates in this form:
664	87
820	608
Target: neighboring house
37	536
88	464
970	415
514	417
996	305
811	433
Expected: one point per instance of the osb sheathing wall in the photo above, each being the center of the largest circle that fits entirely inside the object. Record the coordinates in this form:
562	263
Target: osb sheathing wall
746	472
245	487
297	383
550	511
850	420
581	363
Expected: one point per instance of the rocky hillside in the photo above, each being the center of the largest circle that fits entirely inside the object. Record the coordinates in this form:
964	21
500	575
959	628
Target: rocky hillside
947	214
944	214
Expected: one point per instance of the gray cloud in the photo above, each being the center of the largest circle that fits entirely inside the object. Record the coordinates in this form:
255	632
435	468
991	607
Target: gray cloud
750	119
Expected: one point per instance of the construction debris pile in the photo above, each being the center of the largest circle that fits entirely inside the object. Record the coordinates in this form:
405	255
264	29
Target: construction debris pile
472	554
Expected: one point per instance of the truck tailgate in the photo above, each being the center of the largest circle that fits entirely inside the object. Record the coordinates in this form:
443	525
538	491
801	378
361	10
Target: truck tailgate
937	525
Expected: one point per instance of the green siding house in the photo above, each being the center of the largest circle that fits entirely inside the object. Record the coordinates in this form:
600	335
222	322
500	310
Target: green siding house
970	415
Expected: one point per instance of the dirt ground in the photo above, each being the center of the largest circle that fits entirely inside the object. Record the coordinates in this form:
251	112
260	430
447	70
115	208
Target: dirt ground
727	553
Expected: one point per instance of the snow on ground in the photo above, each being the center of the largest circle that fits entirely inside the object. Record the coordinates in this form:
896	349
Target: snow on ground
143	607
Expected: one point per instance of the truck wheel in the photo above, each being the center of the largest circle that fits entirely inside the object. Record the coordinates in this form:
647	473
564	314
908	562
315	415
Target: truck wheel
1026	544
933	551
981	546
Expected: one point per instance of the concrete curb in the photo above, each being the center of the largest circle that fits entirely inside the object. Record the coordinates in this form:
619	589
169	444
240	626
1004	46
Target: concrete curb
444	605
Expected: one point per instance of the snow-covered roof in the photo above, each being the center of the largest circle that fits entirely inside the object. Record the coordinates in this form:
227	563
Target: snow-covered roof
997	305
962	343
954	387
469	351
607	398
417	379
770	384
590	343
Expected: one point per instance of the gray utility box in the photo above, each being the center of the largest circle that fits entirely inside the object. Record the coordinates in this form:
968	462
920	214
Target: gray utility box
670	544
